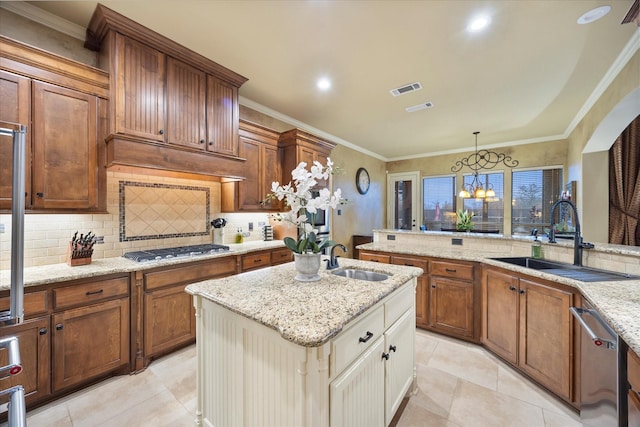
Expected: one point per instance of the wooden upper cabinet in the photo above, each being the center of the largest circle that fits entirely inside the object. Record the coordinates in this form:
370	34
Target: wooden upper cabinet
64	148
138	94
299	146
259	148
15	107
222	117
186	118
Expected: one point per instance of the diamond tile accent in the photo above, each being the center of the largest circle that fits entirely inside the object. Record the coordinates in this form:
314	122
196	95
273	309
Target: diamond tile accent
157	211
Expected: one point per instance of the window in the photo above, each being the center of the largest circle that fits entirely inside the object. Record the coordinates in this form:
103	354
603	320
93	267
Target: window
534	191
489	212
439	202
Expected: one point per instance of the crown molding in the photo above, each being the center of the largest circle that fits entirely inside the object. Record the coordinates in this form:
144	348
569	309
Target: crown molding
45	18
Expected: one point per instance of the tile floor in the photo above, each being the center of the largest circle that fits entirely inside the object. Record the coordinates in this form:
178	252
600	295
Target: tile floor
459	384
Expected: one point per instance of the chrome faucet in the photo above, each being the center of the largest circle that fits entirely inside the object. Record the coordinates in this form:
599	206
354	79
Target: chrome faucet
332	262
578	243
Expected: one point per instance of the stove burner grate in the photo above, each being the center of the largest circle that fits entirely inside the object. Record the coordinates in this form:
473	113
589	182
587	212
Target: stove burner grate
177	252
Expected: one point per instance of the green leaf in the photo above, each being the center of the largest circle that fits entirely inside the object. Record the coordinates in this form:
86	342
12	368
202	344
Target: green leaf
291	244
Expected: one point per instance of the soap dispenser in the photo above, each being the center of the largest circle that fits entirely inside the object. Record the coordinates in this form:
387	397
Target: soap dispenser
536	246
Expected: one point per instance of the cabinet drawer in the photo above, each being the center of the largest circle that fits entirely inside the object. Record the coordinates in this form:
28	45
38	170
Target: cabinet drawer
633	370
280	256
35	303
192	273
87	293
402	301
251	261
356	339
411	261
368	256
457	270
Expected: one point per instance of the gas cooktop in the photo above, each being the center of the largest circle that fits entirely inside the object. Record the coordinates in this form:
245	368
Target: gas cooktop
178	252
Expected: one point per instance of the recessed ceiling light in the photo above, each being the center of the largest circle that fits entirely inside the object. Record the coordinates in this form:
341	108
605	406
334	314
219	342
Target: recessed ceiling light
323	83
593	15
478	23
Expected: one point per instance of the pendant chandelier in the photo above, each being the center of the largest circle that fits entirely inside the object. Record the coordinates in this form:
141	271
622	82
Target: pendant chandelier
483	159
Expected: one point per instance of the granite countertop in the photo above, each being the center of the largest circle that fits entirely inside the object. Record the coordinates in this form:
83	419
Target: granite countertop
305	313
55	273
617	301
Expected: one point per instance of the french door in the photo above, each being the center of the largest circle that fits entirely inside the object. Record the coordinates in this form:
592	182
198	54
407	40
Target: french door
403	201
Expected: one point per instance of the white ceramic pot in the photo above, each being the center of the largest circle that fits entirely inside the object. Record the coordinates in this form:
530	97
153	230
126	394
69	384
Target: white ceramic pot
307	266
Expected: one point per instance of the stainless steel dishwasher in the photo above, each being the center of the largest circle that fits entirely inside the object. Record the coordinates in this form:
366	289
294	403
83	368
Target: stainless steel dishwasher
602	368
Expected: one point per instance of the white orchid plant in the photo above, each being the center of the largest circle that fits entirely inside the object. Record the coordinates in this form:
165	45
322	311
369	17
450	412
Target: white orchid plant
304	206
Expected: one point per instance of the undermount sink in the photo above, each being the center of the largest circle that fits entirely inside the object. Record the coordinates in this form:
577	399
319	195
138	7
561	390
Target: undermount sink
583	274
352	273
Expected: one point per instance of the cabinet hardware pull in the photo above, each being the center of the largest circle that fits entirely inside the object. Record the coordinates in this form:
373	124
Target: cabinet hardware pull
512	288
521	291
392	348
433	286
40	195
210	142
59	327
410	265
366	338
450	270
385	356
202	141
161	131
99	291
255	261
42	331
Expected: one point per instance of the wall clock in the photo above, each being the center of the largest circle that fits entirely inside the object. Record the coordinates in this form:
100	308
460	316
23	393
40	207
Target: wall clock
362	181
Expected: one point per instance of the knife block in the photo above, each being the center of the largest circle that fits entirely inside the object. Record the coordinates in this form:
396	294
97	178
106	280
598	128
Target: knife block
77	256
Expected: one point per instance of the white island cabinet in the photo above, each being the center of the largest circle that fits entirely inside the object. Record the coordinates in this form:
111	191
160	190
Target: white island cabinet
273	351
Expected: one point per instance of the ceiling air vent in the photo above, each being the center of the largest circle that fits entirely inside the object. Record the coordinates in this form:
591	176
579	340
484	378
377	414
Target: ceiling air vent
406	89
419	107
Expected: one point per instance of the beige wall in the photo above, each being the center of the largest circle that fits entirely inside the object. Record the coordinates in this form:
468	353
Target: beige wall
553	153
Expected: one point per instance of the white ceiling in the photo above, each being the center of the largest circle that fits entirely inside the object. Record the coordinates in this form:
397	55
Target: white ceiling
528	78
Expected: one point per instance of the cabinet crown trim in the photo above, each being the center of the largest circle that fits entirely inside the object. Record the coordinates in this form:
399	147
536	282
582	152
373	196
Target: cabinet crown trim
105	20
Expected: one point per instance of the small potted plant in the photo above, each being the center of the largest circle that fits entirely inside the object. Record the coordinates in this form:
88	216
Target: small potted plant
297	196
464	220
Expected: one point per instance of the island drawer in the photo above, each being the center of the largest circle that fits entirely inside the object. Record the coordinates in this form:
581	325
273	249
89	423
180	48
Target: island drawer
457	270
90	292
401	301
633	370
357	338
35	303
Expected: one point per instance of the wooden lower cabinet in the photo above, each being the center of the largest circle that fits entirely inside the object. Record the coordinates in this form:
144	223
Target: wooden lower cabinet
89	341
422	307
528	323
169	320
35	353
451	307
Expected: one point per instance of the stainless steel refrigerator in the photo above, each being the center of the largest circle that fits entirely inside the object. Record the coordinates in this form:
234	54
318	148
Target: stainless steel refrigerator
14	136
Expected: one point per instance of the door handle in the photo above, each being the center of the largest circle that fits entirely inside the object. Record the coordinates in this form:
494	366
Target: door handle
577	313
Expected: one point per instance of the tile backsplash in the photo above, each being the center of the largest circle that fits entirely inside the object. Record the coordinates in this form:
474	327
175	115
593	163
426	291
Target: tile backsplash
47	235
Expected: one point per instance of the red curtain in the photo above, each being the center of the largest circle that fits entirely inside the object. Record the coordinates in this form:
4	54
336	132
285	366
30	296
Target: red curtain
624	187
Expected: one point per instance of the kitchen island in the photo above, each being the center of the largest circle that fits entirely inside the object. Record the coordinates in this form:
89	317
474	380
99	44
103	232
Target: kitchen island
275	351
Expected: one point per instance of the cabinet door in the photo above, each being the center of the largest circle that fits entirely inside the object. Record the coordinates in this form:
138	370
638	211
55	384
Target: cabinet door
186	117
222	117
89	342
249	191
169	320
422	302
270	171
500	314
35	355
15	107
356	397
546	334
65	159
451	306
139	90
399	370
